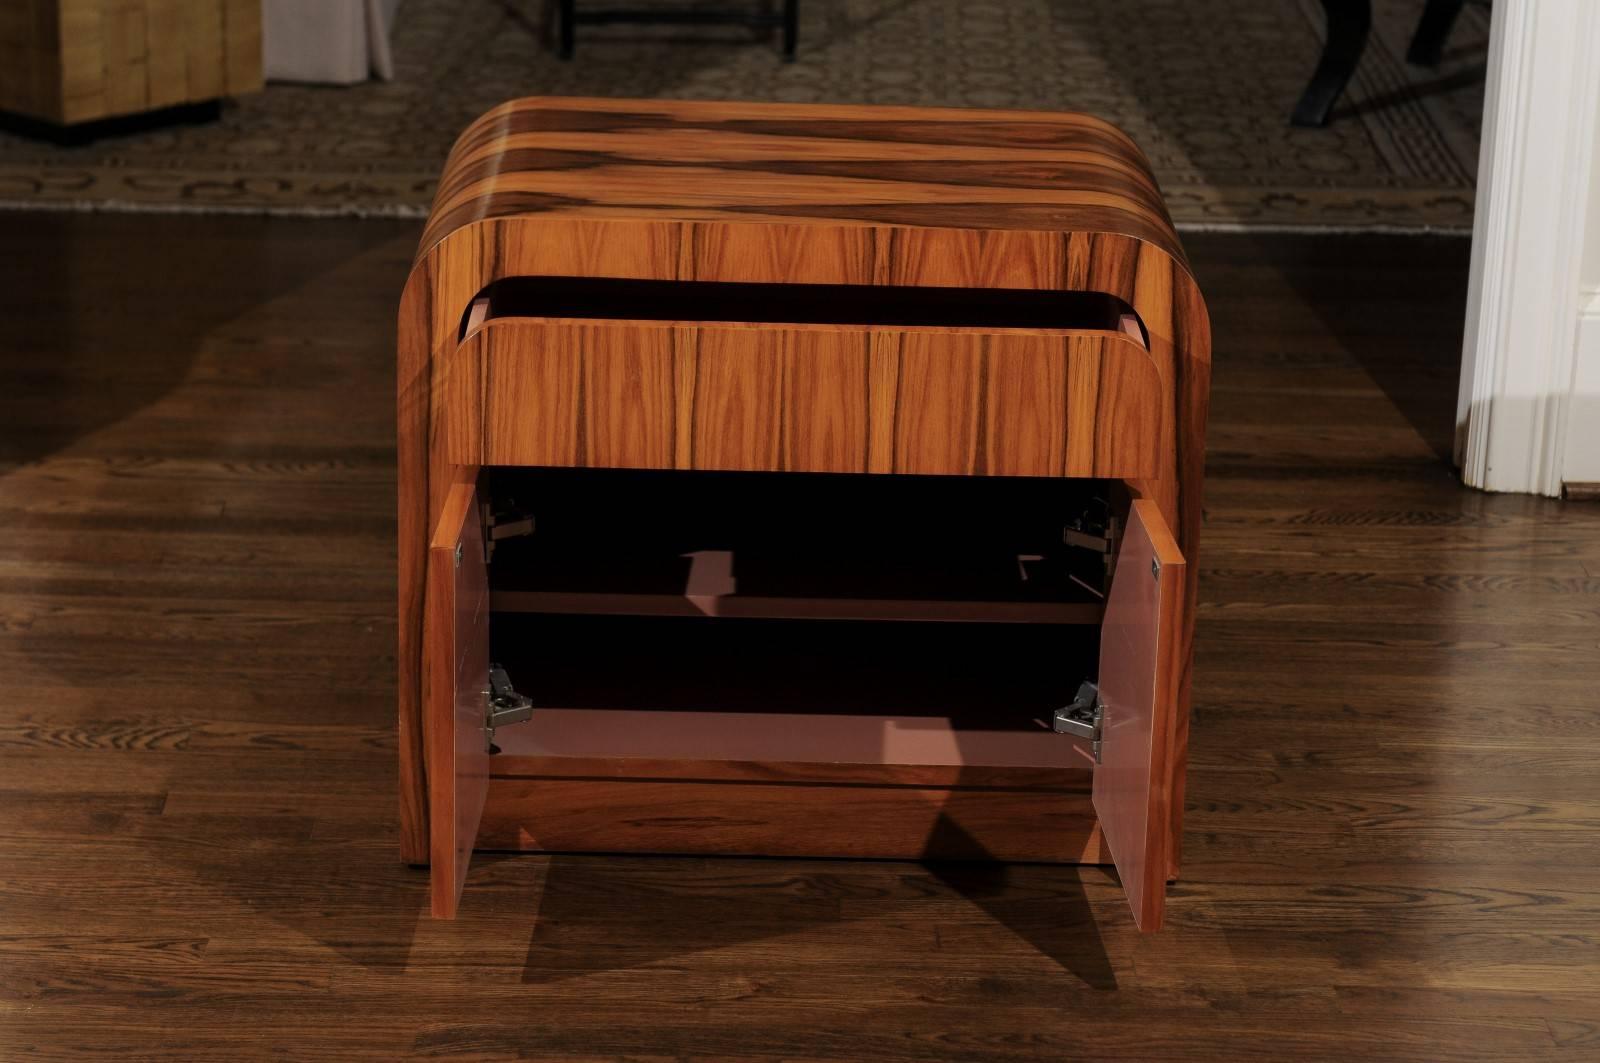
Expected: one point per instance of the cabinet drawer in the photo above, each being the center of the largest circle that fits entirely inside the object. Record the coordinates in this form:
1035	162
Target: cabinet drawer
818	392
656	708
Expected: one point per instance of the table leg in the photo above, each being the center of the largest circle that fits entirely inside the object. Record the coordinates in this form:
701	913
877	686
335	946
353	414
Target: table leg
565	17
791	28
1348	24
1427	46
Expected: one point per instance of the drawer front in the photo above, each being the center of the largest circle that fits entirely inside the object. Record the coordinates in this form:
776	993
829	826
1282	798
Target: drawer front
1140	640
805	398
456	680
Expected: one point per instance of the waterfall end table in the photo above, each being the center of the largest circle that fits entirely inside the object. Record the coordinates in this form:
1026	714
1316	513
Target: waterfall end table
798	481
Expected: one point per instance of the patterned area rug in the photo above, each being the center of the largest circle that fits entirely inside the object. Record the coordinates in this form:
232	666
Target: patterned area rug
1204	85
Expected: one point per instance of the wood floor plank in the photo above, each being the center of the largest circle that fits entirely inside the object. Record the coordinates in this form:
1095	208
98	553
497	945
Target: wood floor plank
1391	803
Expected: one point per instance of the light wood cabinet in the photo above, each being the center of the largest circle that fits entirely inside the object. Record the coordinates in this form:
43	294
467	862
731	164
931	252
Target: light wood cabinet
73	61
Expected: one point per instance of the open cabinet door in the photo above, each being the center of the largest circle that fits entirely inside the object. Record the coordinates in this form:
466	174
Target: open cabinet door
456	677
1139	667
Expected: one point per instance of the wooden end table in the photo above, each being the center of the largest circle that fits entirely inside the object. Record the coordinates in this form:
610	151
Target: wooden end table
798	481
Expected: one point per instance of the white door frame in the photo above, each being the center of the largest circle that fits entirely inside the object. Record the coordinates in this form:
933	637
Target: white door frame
1527	292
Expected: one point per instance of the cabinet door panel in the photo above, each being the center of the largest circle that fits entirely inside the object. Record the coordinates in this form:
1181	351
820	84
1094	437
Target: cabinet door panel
456	677
1139	670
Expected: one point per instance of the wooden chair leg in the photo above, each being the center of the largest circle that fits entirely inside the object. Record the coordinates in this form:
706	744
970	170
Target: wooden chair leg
1348	24
1427	45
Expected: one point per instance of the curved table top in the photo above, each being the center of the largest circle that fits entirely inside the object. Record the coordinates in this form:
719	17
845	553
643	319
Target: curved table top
653	190
839	165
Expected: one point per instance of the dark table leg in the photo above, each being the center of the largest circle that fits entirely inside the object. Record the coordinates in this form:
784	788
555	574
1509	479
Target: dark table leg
1348	23
565	29
791	28
1427	46
567	18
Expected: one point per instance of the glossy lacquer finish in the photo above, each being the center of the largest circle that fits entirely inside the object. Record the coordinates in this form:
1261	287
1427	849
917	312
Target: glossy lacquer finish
805	398
1393	795
1138	672
457	668
822	195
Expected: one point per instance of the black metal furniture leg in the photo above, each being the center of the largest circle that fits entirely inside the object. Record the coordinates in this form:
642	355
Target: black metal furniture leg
1348	24
568	16
565	18
1427	45
791	28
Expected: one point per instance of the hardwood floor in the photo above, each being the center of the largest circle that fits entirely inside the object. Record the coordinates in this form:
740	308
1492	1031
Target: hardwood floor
1392	801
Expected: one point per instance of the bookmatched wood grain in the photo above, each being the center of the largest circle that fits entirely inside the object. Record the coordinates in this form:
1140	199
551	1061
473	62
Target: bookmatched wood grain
997	171
662	190
803	398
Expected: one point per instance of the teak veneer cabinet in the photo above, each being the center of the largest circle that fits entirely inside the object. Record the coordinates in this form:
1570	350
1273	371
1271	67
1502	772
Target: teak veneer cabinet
802	481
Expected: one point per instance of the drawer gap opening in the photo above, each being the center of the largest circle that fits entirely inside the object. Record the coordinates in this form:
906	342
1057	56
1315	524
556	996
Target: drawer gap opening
884	306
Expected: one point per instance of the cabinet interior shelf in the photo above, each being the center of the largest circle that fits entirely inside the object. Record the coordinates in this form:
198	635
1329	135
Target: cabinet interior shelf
791	692
794	547
1016	588
784	738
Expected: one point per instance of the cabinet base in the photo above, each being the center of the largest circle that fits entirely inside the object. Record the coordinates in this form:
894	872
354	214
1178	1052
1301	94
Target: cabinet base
791	819
76	134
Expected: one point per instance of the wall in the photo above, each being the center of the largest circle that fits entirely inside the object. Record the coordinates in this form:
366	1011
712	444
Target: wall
1581	461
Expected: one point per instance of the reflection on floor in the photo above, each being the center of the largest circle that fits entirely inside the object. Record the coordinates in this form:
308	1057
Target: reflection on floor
1392	793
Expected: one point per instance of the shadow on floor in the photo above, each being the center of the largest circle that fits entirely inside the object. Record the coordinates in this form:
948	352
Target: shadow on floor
339	896
96	332
1335	295
1059	924
1439	86
599	913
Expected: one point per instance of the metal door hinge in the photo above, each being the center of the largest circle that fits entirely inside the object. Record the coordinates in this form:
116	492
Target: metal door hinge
505	705
1092	538
508	523
1091	534
1083	717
